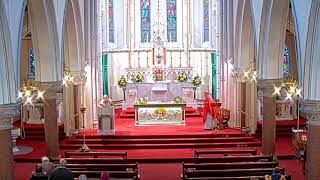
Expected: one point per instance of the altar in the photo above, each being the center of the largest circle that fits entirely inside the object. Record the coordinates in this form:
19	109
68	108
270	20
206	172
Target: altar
161	91
160	113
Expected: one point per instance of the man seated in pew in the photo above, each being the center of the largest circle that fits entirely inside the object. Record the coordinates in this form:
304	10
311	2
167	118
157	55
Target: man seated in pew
208	112
276	175
38	174
46	165
61	172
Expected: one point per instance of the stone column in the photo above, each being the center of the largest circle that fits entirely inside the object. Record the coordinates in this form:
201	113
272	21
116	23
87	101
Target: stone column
311	111
6	155
50	117
269	114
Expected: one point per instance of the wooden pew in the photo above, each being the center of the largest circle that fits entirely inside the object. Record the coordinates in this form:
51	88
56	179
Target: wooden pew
287	176
230	172
103	167
95	160
233	165
68	154
197	153
113	174
253	158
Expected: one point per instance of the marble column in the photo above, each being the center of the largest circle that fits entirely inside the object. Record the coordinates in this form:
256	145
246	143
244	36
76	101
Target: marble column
7	111
50	117
269	114
311	111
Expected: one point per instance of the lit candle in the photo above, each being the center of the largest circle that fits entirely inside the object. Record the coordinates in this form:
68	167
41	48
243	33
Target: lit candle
81	101
170	37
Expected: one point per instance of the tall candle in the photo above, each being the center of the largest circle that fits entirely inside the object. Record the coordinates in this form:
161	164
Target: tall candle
81	101
170	37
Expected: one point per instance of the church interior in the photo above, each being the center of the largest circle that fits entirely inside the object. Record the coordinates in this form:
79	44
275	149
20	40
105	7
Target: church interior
160	89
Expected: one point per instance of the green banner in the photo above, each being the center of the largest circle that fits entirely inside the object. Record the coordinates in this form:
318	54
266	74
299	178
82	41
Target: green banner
214	75
105	74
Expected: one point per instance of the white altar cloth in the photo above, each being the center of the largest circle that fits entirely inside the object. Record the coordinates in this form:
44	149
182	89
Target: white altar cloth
162	91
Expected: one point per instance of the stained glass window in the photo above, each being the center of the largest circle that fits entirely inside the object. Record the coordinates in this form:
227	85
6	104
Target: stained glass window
286	62
145	20
205	20
111	21
32	66
172	20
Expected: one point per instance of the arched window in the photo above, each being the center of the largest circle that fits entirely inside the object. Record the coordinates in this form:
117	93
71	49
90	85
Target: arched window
286	62
206	20
32	66
172	20
110	21
145	20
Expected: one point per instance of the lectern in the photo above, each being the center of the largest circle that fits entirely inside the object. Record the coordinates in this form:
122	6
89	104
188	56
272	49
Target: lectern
106	120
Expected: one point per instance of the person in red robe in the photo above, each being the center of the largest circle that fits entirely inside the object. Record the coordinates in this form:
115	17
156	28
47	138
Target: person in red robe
207	111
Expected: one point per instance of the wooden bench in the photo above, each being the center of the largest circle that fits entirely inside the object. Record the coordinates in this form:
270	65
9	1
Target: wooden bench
229	172
253	158
113	174
197	153
287	176
103	167
233	165
68	154
95	160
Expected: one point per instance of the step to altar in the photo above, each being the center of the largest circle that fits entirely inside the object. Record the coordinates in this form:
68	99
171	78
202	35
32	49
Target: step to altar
190	112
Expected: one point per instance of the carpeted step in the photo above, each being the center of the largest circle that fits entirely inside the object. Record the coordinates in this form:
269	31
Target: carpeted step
153	136
162	141
163	146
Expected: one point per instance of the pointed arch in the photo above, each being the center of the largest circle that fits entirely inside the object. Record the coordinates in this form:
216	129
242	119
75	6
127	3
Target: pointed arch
272	38
244	41
311	80
8	70
45	40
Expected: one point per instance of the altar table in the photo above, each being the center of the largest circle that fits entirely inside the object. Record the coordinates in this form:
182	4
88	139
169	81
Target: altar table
160	113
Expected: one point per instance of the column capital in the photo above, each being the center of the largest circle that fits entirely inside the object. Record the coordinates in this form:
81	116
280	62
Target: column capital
266	86
52	89
310	109
7	111
80	77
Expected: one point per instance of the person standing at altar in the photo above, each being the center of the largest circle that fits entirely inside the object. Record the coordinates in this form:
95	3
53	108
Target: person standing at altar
208	112
105	102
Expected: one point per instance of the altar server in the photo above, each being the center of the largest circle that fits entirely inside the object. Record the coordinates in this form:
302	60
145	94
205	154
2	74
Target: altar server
208	112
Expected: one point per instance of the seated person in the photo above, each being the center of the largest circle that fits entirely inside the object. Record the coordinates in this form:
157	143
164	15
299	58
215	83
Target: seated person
47	166
61	172
276	175
38	174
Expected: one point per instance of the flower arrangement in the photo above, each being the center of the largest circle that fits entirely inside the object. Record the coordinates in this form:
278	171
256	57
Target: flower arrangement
141	100
137	77
182	76
122	83
196	81
177	100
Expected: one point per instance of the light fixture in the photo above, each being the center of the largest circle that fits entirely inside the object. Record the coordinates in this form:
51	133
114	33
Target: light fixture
250	73
29	92
67	76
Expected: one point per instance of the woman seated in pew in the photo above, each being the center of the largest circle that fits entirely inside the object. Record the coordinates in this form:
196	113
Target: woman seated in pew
104	175
276	175
208	112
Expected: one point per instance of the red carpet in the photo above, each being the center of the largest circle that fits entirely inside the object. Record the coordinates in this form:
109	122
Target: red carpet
126	132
